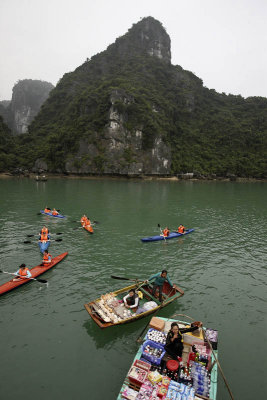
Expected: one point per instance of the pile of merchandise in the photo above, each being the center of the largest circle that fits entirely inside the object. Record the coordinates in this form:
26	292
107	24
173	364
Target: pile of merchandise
111	309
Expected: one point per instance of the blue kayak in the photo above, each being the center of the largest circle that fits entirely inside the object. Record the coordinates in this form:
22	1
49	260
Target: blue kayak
44	245
172	235
51	215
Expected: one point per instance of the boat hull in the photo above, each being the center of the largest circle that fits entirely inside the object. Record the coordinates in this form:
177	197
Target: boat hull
172	235
170	294
35	271
51	215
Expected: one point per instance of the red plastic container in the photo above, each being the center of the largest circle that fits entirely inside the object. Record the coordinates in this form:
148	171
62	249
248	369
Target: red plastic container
172	365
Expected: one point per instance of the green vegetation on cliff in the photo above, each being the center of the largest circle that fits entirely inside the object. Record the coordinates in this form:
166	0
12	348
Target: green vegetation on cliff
207	132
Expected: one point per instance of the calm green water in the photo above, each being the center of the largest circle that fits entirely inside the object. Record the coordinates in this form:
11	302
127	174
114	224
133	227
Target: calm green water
51	349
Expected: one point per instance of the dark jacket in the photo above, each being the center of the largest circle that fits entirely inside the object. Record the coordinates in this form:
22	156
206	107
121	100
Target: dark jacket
175	348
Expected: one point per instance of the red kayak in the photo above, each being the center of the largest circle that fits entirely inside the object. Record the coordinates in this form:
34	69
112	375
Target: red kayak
35	271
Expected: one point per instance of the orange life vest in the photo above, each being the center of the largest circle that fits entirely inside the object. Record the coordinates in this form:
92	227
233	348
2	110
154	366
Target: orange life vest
44	230
83	220
166	232
181	229
47	210
23	272
54	212
46	258
44	237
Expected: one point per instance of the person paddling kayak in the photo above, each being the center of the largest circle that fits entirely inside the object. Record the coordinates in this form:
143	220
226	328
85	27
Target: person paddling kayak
47	258
158	283
44	230
54	212
47	210
181	229
22	273
166	232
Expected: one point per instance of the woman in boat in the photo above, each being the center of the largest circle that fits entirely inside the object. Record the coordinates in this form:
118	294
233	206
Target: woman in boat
174	342
22	272
158	283
47	258
131	300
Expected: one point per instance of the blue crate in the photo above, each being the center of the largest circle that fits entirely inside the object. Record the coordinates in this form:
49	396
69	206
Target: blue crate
153	359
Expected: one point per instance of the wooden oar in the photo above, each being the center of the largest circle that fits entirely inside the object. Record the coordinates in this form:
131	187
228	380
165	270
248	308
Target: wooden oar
50	240
125	279
34	279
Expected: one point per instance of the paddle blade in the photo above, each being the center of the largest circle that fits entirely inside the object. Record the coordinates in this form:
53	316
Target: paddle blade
158	225
118	277
1	271
96	222
59	233
41	280
27	241
58	240
30	235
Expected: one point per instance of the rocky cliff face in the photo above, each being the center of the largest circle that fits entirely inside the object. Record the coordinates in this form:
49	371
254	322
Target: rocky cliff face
123	149
27	98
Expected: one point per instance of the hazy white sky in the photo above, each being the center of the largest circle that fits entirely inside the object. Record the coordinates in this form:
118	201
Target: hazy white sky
224	42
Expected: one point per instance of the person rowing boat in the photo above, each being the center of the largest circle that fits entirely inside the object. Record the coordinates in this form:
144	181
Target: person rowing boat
22	273
158	283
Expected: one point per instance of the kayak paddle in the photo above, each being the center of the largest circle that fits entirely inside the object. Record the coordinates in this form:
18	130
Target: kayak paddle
58	233
51	240
162	232
34	279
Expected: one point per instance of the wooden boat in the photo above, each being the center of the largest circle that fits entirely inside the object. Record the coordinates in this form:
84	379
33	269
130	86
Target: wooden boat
35	271
100	314
172	235
176	383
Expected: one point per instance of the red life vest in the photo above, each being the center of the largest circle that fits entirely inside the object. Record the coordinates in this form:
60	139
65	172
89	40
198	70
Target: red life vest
44	237
44	230
166	232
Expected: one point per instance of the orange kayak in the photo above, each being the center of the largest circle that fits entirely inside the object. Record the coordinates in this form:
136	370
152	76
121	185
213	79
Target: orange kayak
35	271
88	228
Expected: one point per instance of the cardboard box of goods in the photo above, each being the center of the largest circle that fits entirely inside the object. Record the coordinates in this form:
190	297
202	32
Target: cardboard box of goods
157	323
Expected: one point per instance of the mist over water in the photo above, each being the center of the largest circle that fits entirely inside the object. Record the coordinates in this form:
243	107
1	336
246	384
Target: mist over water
47	337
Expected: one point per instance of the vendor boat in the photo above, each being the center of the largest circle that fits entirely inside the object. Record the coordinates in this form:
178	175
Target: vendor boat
154	374
35	272
172	235
109	309
51	215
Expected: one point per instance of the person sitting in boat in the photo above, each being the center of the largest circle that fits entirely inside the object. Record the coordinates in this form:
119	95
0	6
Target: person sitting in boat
23	272
54	212
158	283
181	229
83	220
88	226
166	232
174	341
44	230
47	258
131	300
47	210
44	237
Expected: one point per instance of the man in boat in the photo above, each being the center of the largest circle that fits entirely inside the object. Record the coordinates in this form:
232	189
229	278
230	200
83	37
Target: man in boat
23	272
47	258
131	300
174	341
166	232
181	229
158	283
47	210
54	212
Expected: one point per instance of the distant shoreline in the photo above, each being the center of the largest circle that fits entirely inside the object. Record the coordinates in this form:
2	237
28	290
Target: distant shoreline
7	175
